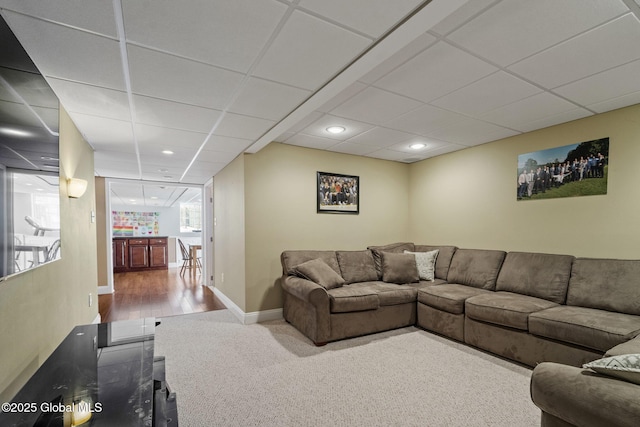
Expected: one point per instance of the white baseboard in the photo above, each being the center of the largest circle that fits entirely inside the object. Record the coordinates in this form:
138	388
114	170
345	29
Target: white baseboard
247	318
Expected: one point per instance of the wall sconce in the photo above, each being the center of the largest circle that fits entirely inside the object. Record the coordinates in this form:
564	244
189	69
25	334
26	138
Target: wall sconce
76	187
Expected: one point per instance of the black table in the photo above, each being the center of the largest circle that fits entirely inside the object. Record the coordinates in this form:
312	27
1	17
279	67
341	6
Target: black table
100	375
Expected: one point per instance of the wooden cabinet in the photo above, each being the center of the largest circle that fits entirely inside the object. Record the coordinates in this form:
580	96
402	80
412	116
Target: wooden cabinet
135	253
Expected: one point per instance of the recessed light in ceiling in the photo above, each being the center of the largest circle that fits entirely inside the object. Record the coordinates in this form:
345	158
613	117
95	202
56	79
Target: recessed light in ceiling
163	169
167	152
154	198
417	146
336	129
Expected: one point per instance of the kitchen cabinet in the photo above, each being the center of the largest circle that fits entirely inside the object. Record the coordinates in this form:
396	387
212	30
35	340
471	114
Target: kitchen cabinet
139	253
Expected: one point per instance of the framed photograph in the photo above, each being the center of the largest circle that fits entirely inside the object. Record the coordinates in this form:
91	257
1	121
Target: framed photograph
338	193
569	171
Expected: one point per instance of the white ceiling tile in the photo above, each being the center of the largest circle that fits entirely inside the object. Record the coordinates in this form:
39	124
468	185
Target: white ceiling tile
319	127
216	156
372	17
435	72
266	99
461	15
96	59
356	149
521	113
556	119
227	144
92	15
311	141
513	30
115	157
424	120
152	154
92	100
201	179
310	118
325	50
229	33
472	132
202	168
487	94
105	134
386	154
284	137
404	54
605	47
352	90
113	171
161	138
375	106
600	87
615	103
381	137
158	112
243	127
165	76
430	145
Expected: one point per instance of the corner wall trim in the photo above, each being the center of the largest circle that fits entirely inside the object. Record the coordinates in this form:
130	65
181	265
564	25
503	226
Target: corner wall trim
247	318
97	320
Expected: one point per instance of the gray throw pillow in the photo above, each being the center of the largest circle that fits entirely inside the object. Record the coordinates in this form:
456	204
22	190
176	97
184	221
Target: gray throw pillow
426	262
319	272
399	268
626	367
357	266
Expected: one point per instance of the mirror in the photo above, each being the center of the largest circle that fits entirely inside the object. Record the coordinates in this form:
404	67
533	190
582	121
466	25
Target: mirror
29	163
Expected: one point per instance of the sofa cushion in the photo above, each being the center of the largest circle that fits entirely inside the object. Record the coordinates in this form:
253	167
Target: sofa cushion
350	298
448	297
445	254
631	346
357	266
537	275
475	267
587	327
606	284
319	272
399	268
388	293
505	308
625	367
291	259
393	247
426	263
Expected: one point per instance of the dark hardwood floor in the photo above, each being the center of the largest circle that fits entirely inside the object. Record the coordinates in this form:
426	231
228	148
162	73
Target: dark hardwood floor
156	293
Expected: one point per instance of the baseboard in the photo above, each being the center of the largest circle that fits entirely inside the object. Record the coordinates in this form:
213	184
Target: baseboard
247	318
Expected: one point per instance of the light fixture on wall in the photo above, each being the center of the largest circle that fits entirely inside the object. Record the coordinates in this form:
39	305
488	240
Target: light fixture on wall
76	187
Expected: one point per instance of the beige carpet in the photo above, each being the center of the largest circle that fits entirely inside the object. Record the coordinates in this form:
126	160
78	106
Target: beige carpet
268	374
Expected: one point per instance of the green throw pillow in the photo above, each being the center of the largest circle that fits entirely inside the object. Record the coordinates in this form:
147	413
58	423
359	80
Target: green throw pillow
626	367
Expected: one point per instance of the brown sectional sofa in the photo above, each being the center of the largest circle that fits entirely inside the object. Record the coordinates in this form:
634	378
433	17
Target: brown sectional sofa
543	310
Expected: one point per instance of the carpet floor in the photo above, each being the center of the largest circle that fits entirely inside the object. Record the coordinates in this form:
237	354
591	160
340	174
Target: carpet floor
268	374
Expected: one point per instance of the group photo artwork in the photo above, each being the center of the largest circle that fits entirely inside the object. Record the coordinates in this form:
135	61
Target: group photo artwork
338	193
568	171
134	224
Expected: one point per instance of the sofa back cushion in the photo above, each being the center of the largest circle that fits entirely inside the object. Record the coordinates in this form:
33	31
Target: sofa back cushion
605	284
291	259
537	275
393	247
475	267
357	266
443	261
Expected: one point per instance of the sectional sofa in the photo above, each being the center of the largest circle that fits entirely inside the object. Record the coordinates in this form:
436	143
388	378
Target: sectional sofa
555	310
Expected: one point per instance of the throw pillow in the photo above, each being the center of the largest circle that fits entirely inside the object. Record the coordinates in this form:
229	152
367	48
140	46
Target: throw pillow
625	367
399	268
426	262
357	266
319	272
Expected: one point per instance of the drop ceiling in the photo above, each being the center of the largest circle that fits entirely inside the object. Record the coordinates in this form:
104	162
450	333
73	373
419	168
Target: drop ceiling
211	80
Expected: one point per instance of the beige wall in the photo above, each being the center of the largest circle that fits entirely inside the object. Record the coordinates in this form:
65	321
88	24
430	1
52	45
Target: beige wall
280	211
229	231
38	308
468	198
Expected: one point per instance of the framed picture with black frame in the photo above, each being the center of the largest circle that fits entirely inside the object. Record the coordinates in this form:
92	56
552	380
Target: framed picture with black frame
338	194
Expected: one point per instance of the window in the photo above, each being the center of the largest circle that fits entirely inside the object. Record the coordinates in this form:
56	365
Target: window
190	217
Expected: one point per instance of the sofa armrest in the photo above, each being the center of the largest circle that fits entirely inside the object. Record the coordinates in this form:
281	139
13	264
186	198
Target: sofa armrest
305	290
583	398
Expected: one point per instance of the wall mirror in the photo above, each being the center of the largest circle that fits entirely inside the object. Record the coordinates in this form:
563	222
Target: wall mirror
29	162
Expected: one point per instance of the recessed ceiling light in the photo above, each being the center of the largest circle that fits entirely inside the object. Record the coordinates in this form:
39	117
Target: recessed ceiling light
154	198
336	129
167	152
132	200
417	146
163	169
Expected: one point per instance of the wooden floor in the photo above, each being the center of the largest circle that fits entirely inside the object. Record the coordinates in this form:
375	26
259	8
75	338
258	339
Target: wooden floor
156	293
